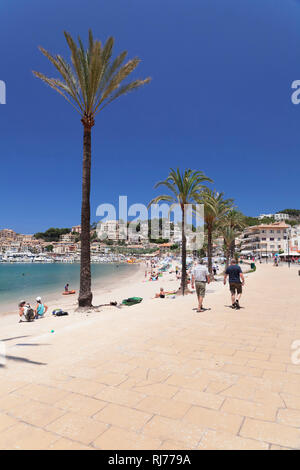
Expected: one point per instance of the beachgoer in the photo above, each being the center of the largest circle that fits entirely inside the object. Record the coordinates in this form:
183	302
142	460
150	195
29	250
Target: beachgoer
25	311
67	288
40	308
236	281
161	294
22	310
200	277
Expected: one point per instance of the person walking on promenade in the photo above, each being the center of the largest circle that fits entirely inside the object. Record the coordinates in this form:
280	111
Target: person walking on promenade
236	281
200	277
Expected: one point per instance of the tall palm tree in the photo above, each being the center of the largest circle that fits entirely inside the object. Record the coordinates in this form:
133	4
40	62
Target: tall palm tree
229	235
236	221
184	187
89	83
215	209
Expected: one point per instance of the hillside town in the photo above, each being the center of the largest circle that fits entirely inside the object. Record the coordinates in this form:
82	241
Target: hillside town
110	241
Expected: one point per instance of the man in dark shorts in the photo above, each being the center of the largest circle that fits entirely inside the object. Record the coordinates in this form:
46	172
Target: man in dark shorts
236	281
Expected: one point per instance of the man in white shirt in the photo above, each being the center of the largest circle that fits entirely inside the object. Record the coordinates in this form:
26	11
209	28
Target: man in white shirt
200	277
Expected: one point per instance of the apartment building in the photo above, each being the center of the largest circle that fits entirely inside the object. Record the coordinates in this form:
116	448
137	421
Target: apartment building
265	239
76	229
108	230
7	234
67	237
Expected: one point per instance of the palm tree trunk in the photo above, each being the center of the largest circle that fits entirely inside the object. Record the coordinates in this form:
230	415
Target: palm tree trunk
85	293
232	248
227	255
183	255
209	250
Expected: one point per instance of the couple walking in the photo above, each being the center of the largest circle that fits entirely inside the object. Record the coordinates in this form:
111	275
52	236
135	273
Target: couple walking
201	277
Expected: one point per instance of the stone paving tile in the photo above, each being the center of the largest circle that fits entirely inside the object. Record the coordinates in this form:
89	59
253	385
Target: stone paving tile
42	393
8	402
291	389
67	444
81	404
267	365
174	445
169	429
123	417
243	370
289	417
6	422
120	397
152	375
193	383
36	413
252	355
77	427
193	397
273	447
252	410
121	439
213	419
25	437
213	440
291	401
273	433
164	407
82	386
9	386
157	390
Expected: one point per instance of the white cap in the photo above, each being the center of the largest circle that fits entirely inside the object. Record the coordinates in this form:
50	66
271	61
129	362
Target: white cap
38	299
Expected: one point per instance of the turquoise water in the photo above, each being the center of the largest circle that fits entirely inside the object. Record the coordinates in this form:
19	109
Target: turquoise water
27	281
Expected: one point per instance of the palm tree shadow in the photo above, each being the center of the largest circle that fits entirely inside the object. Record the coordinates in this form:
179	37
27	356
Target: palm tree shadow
21	359
16	337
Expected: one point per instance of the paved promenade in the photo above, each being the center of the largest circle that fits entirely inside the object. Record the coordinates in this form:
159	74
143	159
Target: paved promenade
159	375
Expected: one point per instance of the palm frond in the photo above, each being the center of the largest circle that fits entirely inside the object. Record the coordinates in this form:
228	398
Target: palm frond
92	80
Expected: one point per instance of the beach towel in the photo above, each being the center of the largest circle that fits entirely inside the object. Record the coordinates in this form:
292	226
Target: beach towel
132	301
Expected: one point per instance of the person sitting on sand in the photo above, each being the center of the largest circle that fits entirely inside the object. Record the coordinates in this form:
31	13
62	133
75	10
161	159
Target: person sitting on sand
25	312
162	293
40	308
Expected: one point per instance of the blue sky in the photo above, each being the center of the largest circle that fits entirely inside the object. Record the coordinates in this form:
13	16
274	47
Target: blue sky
220	102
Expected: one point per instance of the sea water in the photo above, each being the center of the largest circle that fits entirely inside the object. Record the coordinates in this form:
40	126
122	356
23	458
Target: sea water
21	281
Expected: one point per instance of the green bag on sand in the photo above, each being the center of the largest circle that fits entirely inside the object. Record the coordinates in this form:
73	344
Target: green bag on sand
132	301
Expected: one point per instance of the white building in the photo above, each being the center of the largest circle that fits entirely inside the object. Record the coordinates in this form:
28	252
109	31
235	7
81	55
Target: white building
282	216
278	217
108	230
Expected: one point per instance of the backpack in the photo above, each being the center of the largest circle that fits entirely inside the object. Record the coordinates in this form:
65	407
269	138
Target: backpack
59	313
29	314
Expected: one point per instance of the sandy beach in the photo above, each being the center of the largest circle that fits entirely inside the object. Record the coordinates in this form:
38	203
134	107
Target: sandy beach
158	375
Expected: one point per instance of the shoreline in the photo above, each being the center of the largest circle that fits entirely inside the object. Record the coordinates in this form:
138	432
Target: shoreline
100	286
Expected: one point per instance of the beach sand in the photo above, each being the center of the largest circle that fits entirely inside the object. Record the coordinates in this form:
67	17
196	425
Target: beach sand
157	375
